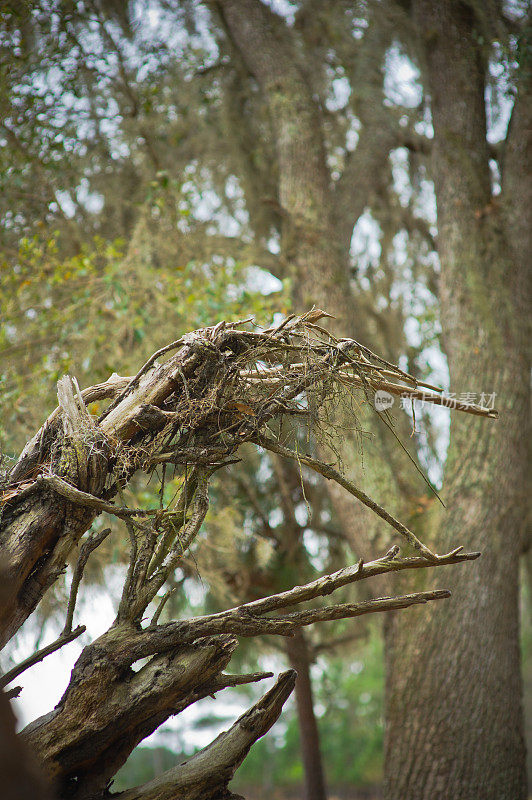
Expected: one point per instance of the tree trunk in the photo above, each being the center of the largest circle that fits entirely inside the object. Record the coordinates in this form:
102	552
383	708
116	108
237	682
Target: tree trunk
298	655
454	712
315	246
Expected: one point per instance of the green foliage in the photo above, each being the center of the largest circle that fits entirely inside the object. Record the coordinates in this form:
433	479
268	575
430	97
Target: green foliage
351	699
103	310
144	764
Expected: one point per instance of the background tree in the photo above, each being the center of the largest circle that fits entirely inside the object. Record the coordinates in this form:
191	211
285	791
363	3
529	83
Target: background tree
462	178
284	509
484	266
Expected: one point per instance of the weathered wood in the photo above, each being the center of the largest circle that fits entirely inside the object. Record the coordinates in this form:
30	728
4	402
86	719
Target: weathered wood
30	458
207	774
37	528
108	709
197	408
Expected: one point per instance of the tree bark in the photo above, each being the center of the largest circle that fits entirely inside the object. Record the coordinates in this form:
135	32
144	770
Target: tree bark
310	249
454	713
108	709
298	656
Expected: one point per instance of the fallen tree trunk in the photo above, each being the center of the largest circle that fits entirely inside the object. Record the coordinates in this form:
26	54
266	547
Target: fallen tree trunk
108	708
222	388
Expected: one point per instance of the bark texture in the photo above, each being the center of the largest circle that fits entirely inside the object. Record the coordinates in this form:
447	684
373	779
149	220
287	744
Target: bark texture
37	530
454	713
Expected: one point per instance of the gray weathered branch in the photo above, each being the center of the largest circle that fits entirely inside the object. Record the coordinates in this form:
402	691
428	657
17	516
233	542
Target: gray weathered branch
206	775
40	655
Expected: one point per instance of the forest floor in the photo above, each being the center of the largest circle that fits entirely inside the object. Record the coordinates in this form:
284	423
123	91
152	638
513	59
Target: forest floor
334	793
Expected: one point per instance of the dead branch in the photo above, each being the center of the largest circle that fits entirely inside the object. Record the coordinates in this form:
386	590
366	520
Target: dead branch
299	619
249	619
222	388
87	548
206	775
30	456
196	408
40	655
70	492
343	577
105	712
185	663
332	474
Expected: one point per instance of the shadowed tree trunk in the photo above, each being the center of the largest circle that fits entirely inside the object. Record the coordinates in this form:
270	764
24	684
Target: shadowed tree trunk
454	714
19	775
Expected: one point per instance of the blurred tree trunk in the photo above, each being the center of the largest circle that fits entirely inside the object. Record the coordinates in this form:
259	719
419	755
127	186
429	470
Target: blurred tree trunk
443	703
19	774
454	713
311	253
315	214
20	777
298	655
